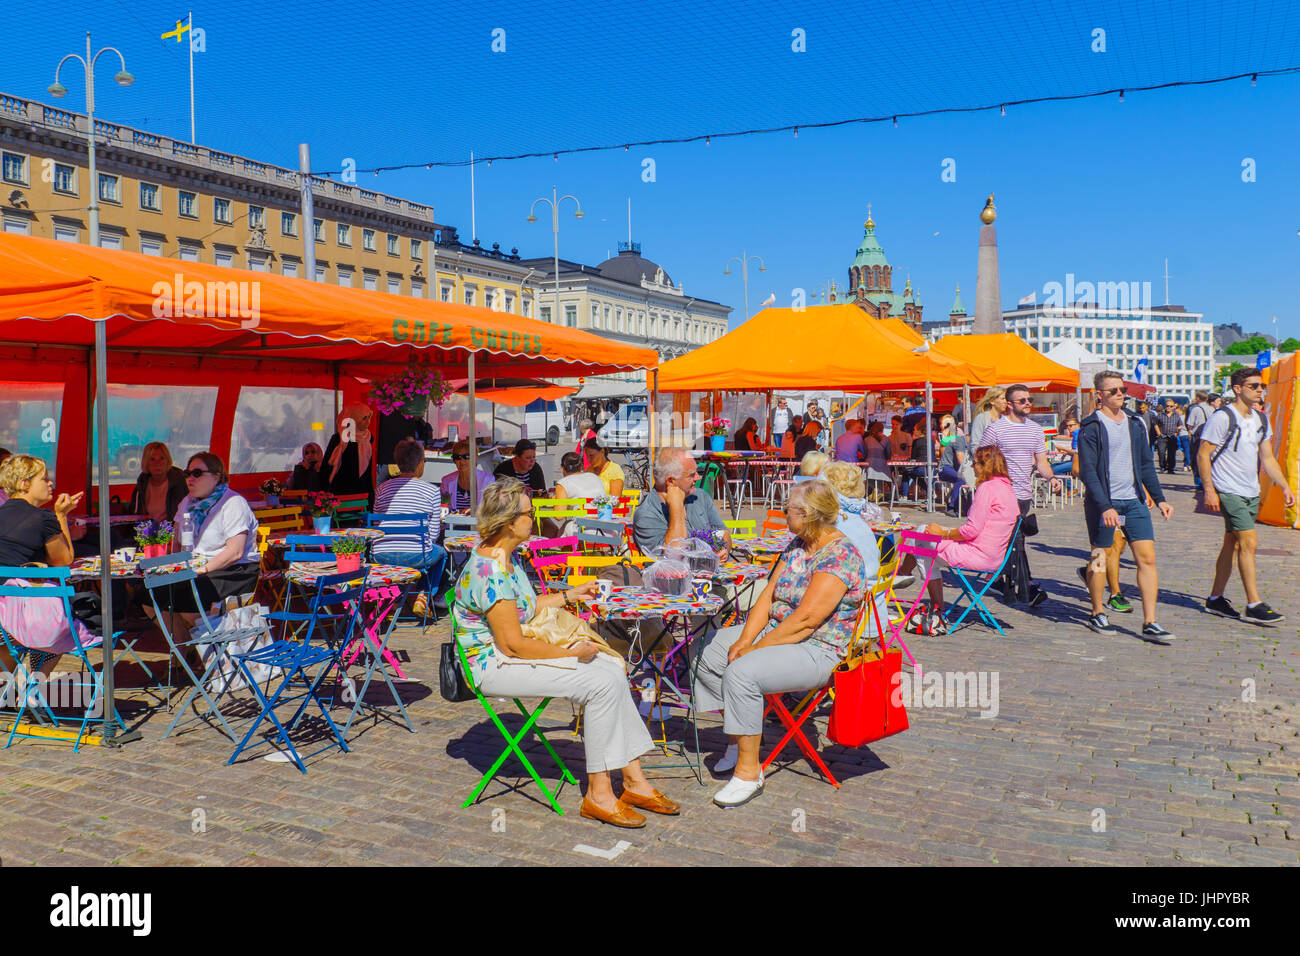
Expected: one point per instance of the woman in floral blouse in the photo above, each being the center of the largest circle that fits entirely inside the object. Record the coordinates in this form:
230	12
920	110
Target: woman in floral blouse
494	598
796	633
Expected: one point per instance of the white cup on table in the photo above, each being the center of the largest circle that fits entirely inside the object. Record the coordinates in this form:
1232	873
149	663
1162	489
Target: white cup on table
604	589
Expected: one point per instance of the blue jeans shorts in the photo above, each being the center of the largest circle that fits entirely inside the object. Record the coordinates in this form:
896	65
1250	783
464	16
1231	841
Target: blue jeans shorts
1137	522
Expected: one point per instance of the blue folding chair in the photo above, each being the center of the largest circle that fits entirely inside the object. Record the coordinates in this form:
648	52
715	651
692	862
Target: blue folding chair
413	526
301	549
974	585
169	572
50	584
296	659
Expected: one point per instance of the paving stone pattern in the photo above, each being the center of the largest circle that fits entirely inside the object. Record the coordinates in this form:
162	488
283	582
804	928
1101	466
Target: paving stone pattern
1104	750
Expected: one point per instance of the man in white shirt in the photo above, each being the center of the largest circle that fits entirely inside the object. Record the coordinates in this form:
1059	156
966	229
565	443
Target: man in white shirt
780	419
1233	447
1198	413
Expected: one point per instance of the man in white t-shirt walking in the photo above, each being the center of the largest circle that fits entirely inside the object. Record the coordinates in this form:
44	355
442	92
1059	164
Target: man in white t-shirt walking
1234	443
1020	439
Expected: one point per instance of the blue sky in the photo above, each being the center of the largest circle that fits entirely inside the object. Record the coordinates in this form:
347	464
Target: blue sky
1098	188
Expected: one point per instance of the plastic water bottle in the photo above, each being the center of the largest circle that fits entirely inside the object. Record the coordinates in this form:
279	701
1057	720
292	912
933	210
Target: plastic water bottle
186	522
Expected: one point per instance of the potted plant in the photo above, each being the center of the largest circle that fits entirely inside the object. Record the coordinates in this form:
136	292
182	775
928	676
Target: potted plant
604	505
323	506
409	391
714	538
155	537
272	488
348	552
716	429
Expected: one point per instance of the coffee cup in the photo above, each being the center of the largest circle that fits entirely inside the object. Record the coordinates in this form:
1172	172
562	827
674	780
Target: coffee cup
701	588
604	589
896	516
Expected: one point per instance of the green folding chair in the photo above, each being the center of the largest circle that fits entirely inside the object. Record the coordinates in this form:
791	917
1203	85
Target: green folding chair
512	742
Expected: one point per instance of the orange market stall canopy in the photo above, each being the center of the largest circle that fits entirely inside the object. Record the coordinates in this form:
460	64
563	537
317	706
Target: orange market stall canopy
824	347
1014	359
190	323
1283	380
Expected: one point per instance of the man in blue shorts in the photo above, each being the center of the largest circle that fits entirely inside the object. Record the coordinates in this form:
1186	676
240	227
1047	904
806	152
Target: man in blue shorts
1119	471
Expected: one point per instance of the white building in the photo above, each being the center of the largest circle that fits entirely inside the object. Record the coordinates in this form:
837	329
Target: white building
1178	345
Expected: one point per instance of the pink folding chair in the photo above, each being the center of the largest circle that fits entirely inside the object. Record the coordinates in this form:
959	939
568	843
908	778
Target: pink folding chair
922	546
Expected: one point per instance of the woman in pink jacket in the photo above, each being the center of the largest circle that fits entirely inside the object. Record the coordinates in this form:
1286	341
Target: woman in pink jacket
979	544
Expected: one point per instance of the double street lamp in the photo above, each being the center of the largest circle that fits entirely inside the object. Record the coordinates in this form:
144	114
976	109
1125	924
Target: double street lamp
57	89
555	202
743	259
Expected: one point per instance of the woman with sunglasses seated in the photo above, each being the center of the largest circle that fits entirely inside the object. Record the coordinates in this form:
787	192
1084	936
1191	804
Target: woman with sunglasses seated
455	486
225	535
493	599
796	634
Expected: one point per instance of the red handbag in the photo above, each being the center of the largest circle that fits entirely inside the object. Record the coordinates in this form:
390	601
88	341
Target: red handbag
866	706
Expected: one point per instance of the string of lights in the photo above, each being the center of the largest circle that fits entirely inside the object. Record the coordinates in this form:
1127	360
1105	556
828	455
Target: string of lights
828	124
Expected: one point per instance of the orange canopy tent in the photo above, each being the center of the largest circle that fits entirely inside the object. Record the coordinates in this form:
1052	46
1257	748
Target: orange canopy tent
824	347
1014	359
1283	381
190	323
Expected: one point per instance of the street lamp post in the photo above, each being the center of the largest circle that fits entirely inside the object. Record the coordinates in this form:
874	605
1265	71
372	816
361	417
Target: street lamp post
122	78
743	259
554	202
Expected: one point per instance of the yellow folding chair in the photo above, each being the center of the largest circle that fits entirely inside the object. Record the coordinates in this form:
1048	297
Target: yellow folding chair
742	530
580	563
558	508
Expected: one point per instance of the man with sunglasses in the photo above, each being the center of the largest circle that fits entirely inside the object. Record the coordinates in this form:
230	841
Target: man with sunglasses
455	486
1233	446
1021	441
1119	471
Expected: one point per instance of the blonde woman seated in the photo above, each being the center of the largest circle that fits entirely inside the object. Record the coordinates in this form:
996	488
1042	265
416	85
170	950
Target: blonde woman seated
811	465
797	632
493	599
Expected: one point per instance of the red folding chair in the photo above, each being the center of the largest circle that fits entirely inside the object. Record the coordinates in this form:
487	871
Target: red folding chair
793	720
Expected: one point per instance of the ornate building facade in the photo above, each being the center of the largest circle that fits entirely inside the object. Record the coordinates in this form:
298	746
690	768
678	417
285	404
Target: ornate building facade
871	282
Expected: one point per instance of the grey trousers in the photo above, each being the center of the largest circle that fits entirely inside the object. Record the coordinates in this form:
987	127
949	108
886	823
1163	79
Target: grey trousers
738	689
613	733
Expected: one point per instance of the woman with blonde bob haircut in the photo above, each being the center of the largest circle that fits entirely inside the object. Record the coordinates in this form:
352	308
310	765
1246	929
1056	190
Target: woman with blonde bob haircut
494	599
796	633
990	408
812	463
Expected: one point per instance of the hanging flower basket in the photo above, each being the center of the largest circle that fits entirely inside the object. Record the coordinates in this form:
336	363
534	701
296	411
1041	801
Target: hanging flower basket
409	391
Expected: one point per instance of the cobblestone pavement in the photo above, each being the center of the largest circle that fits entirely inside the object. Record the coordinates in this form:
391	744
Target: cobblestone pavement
1104	750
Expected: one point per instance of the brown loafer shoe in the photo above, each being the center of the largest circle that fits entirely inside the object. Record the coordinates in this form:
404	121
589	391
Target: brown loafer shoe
622	816
656	803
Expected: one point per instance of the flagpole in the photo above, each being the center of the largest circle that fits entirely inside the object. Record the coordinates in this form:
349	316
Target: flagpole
193	139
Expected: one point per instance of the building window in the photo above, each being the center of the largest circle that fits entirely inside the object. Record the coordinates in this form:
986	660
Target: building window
66	233
446	291
394	285
187	205
595	316
187	253
370	280
17	227
417	250
259	262
321	271
108	188
256	217
150	247
65	179
392	245
289	267
469	294
571	316
546	313
14	169
150	197
345	277
510	302
111	240
318	230
288	224
526	307
417	289
344	235
368	240
221	210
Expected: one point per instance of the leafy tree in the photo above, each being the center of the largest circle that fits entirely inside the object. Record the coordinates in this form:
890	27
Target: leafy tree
1251	346
1227	370
1290	345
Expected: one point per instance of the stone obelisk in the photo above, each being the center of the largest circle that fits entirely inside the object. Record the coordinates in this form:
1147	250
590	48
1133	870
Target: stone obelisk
988	295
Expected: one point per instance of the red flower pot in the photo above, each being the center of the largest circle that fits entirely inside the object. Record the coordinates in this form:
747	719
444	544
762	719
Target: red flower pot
348	562
156	550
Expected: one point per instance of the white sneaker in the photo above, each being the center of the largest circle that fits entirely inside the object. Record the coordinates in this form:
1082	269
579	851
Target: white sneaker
738	792
904	581
728	760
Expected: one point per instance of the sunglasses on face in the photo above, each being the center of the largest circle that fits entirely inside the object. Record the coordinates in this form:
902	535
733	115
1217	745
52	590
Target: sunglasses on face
528	513
464	457
1022	401
1253	386
1122	390
196	473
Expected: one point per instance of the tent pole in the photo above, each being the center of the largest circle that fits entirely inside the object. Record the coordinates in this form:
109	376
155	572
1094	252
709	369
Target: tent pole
929	449
654	413
90	432
105	528
473	443
965	405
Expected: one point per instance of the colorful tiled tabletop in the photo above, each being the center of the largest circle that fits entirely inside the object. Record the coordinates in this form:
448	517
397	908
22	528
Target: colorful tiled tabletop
636	603
90	568
771	543
375	574
735	572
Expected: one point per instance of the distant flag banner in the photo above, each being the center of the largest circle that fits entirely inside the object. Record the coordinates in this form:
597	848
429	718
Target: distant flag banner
1264	359
1140	371
1030	299
181	29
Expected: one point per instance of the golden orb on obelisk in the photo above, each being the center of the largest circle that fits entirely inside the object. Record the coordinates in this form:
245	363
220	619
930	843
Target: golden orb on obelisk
989	213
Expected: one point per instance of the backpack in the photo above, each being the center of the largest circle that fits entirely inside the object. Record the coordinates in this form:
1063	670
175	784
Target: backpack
1202	420
1234	432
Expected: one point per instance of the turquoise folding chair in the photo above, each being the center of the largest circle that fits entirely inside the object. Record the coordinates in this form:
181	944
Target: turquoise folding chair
512	742
974	586
50	584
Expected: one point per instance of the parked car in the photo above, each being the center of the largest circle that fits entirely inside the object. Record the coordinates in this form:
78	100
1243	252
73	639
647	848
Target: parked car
626	428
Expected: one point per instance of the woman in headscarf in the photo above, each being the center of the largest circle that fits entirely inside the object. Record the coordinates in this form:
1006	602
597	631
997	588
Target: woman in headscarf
349	457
